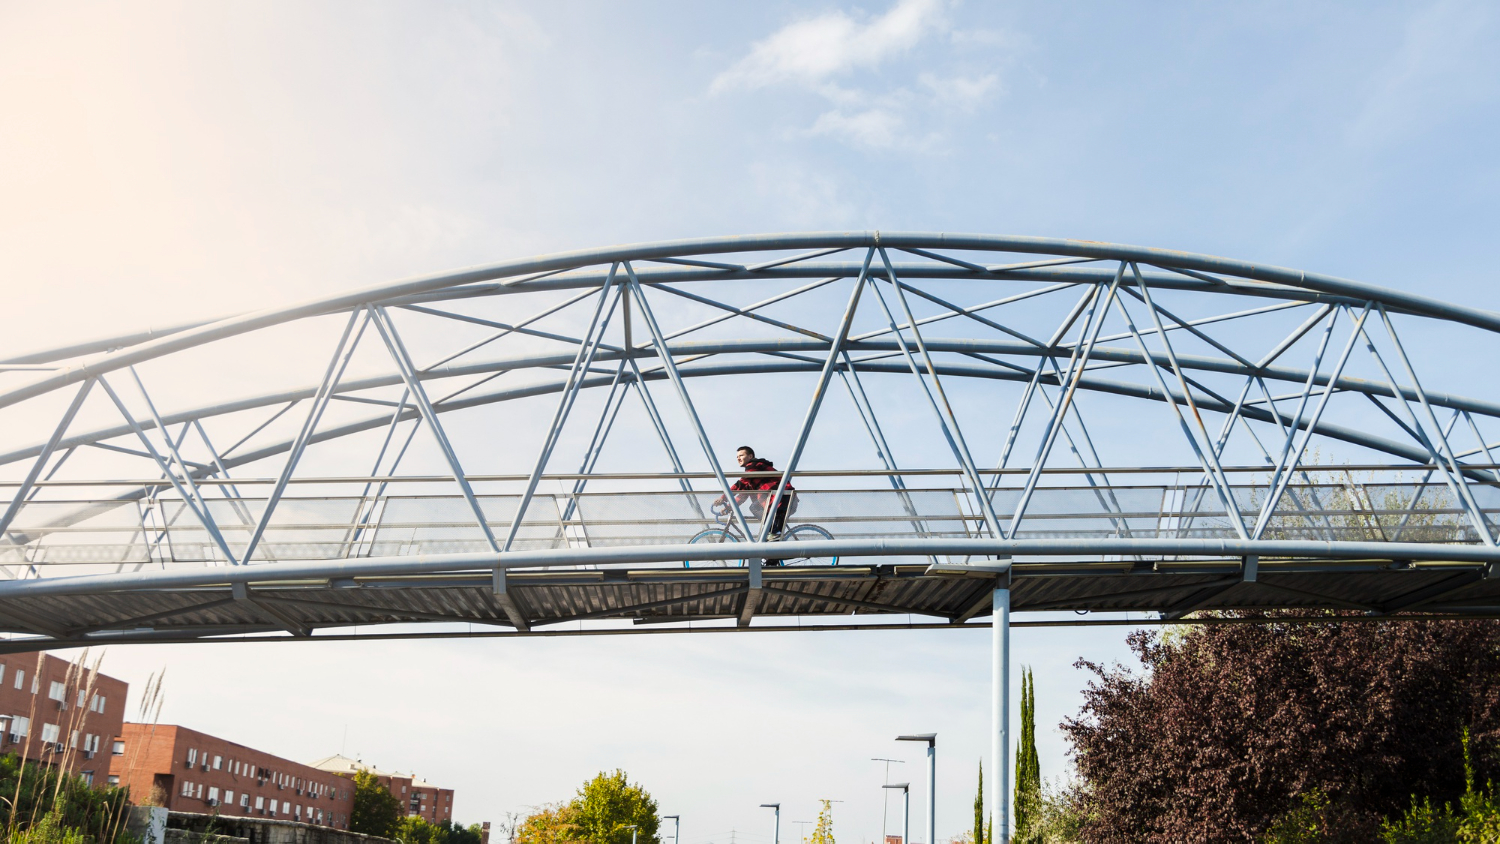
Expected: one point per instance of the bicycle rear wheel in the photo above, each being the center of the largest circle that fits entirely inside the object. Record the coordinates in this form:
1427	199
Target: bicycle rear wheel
808	533
713	535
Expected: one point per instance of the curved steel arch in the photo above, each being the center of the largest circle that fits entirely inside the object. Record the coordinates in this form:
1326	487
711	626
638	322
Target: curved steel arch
1290	538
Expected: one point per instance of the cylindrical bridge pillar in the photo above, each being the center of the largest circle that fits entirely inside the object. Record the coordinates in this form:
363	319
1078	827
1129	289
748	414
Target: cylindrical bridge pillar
1000	713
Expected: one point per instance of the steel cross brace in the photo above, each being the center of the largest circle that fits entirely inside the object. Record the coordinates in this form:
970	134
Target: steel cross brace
1283	479
1082	351
1448	460
752	594
837	346
188	499
587	348
1220	484
387	328
1413	427
882	448
1210	457
41	459
336	366
1290	430
944	411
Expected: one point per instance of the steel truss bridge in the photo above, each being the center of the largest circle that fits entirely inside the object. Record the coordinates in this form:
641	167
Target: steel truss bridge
1079	426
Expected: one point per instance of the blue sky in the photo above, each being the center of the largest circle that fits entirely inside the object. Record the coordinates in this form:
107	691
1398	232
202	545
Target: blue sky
169	161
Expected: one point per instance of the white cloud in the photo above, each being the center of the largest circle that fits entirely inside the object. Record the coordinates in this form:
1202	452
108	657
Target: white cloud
876	127
812	50
961	91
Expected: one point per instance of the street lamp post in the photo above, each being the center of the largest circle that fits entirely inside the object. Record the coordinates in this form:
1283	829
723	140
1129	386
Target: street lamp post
632	829
776	832
676	827
931	739
905	810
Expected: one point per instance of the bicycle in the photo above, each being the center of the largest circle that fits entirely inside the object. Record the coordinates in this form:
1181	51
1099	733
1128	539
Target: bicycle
725	531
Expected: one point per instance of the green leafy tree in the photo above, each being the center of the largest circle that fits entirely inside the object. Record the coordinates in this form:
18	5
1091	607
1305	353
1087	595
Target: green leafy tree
1028	797
823	830
549	825
471	834
609	803
376	811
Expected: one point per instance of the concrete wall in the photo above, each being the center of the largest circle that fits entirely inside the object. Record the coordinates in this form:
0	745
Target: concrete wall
182	825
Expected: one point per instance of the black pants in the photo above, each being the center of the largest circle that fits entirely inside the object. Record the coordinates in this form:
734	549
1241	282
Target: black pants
758	511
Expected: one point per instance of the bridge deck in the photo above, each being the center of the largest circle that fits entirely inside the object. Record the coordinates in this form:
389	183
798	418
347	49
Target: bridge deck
92	568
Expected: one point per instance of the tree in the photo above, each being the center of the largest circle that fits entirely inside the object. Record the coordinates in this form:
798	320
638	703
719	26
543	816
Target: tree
1028	789
979	837
376	811
1233	727
608	803
414	830
549	825
823	830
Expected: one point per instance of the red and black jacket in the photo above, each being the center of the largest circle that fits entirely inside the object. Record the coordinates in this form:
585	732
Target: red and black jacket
765	484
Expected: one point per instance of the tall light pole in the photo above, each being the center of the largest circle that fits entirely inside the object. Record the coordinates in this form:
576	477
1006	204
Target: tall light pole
632	829
676	827
776	833
931	739
885	805
905	810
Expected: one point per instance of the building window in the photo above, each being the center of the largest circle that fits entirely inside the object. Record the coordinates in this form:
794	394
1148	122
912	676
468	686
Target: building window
34	685
82	693
187	789
228	797
213	794
218	762
244	800
57	691
49	732
118	749
192	756
113	780
88	777
286	808
20	726
73	740
20	677
260	803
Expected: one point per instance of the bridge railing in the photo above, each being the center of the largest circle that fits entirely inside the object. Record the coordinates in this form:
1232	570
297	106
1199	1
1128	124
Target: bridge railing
73	533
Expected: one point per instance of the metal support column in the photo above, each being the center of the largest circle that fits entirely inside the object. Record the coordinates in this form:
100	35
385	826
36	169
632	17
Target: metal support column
1000	711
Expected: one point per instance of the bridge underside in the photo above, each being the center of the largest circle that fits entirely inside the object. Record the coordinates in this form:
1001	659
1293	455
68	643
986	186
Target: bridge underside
647	599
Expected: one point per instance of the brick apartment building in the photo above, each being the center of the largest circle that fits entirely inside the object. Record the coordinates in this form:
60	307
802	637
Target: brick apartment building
189	771
55	713
418	797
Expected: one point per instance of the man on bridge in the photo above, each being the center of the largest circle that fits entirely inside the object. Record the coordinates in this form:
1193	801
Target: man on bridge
759	491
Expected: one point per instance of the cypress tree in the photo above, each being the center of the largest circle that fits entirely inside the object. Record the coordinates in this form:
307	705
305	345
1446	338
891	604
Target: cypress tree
1028	788
979	837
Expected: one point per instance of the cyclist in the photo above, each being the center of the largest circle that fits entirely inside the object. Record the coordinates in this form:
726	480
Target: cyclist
759	491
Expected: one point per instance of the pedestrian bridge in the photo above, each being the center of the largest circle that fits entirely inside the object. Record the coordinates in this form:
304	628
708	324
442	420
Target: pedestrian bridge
1089	427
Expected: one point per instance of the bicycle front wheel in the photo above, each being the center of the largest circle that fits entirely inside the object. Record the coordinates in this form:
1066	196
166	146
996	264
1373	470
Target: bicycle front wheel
713	536
808	533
